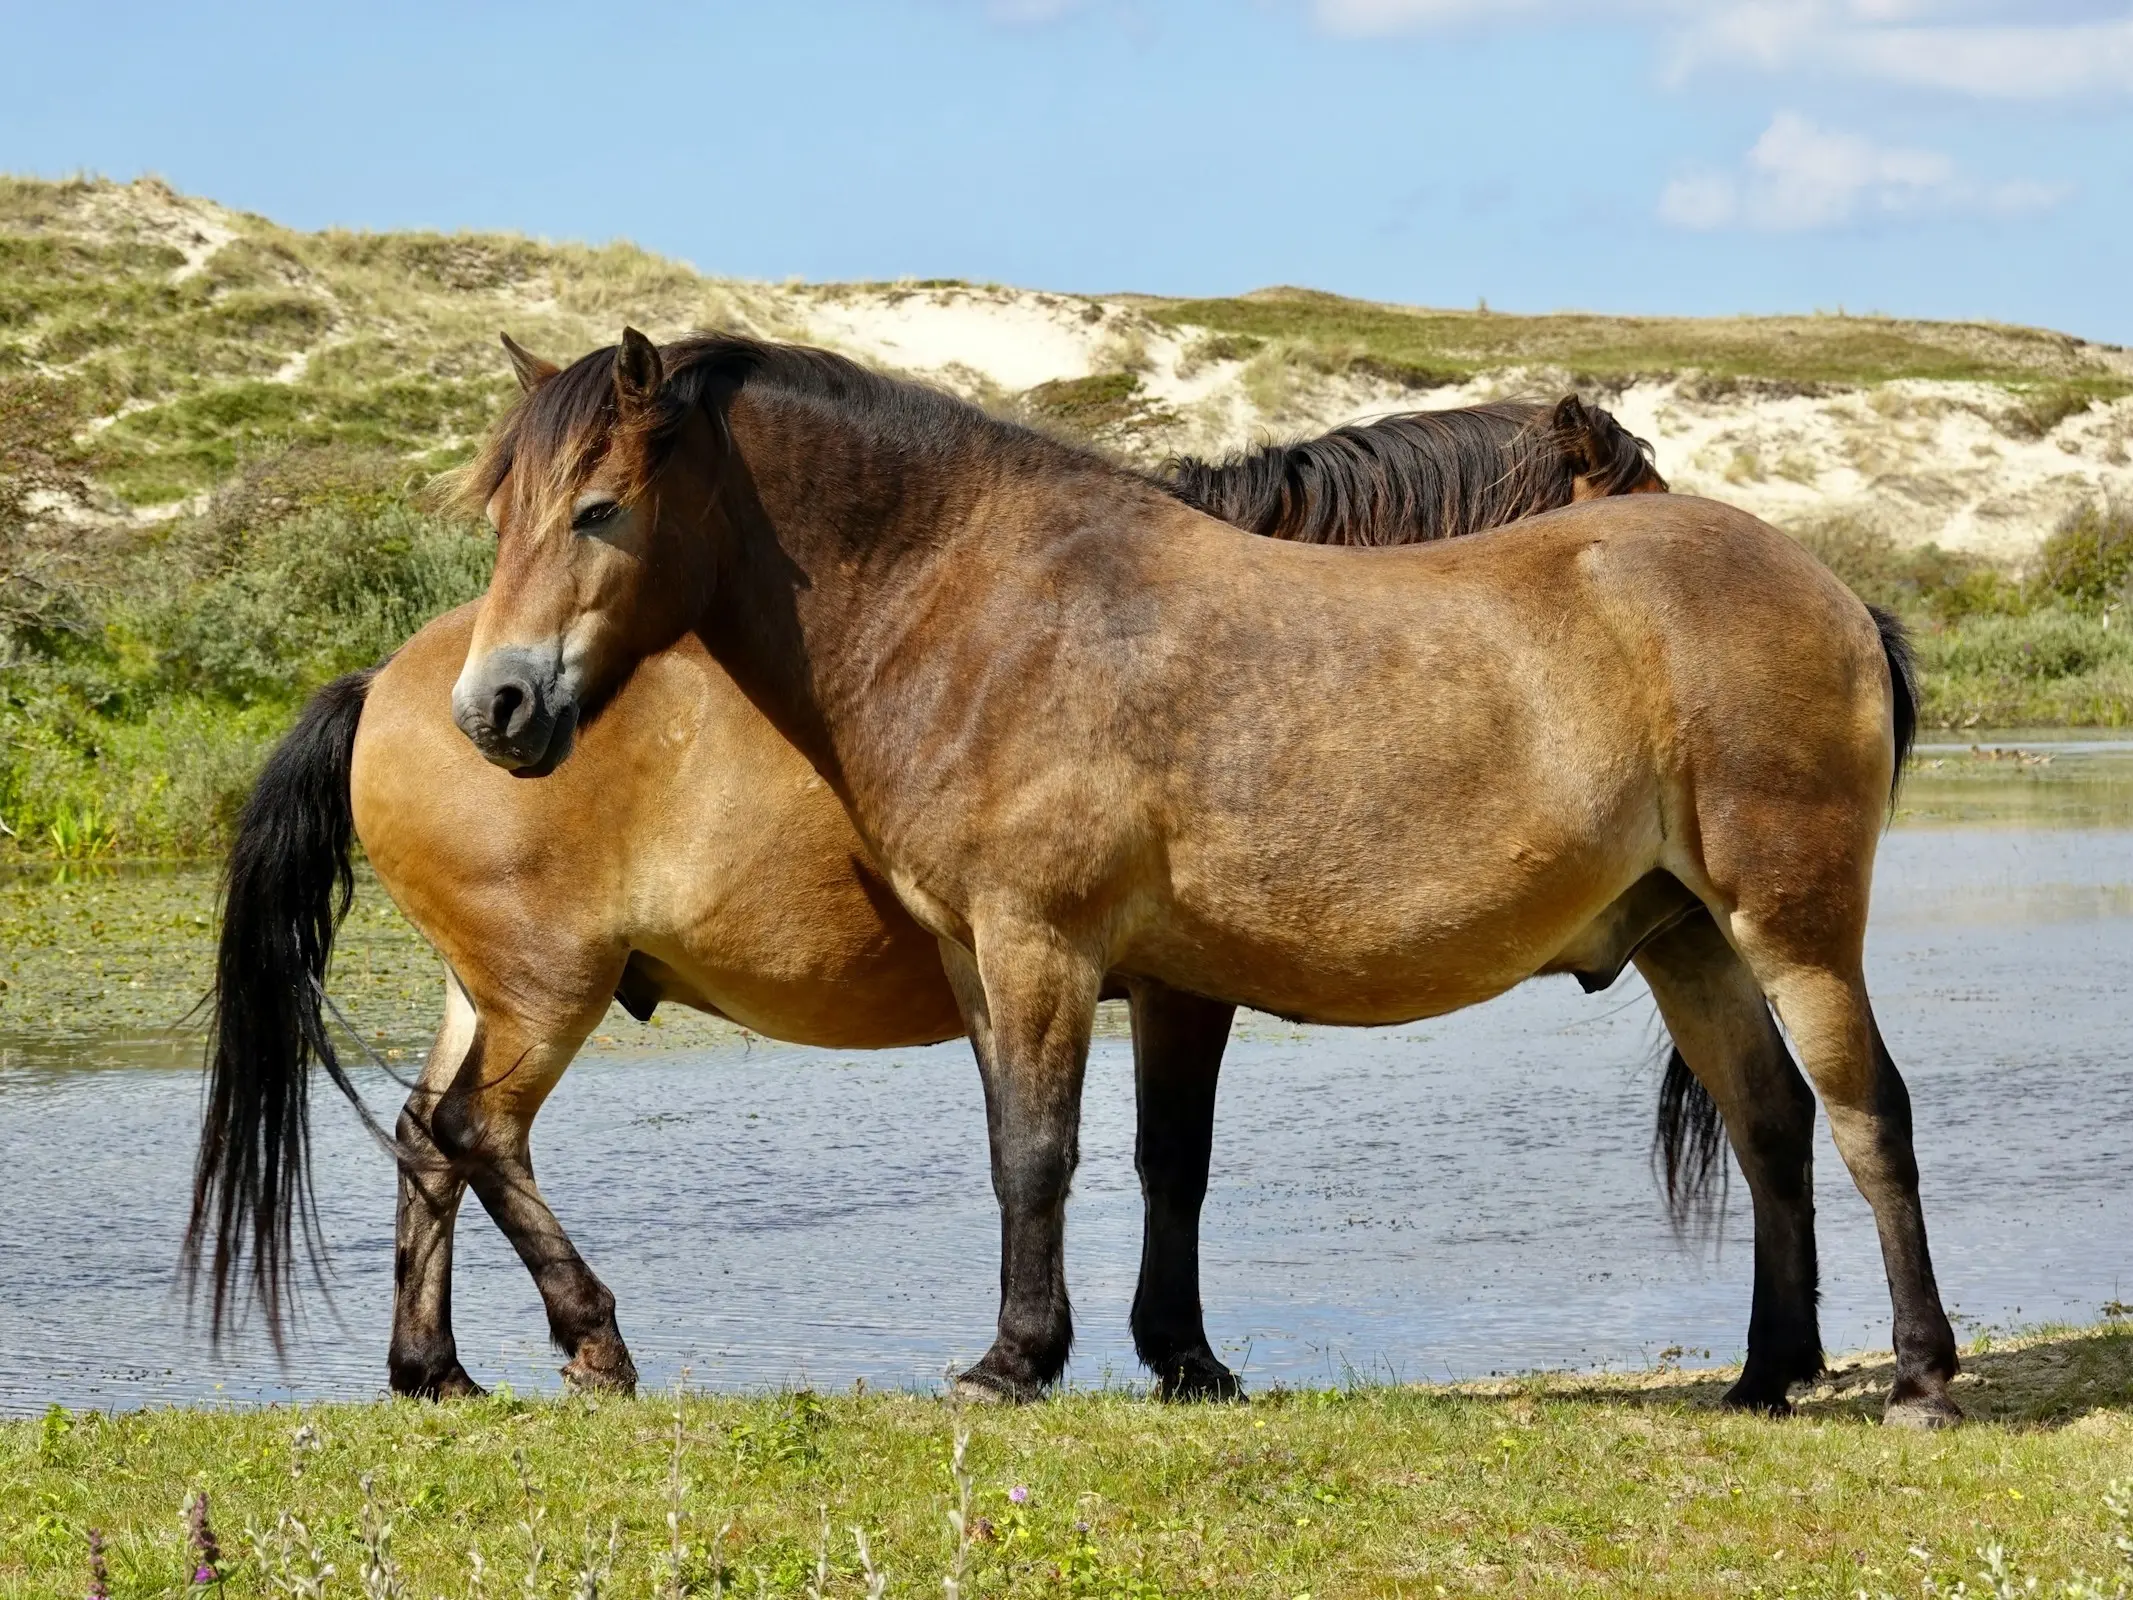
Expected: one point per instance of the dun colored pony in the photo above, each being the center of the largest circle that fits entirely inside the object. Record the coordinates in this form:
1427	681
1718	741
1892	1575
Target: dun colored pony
1084	730
733	884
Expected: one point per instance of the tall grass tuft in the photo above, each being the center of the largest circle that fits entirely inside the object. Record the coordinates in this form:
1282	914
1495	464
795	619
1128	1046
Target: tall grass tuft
146	678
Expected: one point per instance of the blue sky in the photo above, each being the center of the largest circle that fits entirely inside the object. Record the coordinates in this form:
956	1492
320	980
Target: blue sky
1948	158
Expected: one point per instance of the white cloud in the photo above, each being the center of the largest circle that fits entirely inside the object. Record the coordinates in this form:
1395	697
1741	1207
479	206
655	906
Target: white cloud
2002	63
1030	13
1798	176
1368	18
2004	49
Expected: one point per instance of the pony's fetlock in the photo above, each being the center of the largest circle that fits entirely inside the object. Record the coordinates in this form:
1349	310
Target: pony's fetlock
431	1376
1196	1375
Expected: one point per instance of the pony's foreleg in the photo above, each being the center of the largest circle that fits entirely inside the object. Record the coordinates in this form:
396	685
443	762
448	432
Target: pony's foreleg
1177	1057
1824	1005
1028	999
1722	1025
424	1357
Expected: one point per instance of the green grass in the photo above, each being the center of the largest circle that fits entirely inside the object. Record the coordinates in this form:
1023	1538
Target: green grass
1428	347
369	341
2045	669
1553	1486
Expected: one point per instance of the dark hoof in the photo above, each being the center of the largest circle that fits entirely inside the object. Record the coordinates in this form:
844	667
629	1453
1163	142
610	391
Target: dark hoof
602	1366
1759	1397
983	1387
1197	1376
448	1381
1929	1412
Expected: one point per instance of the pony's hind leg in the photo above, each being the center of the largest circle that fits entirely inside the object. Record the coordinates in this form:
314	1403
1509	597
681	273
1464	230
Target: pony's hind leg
1722	1025
423	1360
1821	998
481	1123
1177	1057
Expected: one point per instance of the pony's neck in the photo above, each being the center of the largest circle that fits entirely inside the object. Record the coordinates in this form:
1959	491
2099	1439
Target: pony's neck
832	531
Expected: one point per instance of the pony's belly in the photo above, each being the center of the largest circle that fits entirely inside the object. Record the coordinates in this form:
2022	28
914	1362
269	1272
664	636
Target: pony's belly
1403	946
1324	972
874	992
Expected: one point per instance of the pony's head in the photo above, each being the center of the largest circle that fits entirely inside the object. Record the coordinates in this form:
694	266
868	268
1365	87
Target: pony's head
1604	458
597	487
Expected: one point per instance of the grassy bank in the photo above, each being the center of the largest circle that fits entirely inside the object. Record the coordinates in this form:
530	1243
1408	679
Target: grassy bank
1426	346
100	953
1551	1486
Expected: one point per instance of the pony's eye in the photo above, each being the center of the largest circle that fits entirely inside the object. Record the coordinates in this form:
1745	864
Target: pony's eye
594	514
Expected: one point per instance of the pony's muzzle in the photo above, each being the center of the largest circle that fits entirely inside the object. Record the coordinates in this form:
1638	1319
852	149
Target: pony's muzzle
514	708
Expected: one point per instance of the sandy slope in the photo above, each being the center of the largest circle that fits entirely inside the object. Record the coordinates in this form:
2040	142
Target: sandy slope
1954	463
1951	463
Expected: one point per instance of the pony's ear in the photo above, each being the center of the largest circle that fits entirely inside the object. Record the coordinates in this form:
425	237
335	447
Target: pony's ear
1572	425
531	369
638	371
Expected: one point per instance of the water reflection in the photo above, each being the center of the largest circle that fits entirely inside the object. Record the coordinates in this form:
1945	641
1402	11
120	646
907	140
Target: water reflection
1452	1198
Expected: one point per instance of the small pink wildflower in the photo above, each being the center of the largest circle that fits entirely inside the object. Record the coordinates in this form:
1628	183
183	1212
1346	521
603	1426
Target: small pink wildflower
99	1574
207	1563
1019	1494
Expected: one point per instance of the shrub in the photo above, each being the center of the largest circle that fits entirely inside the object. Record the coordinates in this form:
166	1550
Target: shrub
141	700
313	563
2088	559
2035	414
1947	585
41	559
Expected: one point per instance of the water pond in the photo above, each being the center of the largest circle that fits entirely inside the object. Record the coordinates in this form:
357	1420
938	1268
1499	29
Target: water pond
1450	1199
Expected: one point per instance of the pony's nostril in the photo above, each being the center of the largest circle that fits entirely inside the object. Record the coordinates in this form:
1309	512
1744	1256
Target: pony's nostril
510	708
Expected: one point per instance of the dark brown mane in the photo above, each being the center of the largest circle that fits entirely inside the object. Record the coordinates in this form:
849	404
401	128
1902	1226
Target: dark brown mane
573	415
1419	475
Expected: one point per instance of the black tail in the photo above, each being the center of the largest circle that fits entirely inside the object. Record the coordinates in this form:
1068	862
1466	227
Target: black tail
288	884
1903	689
1689	1143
